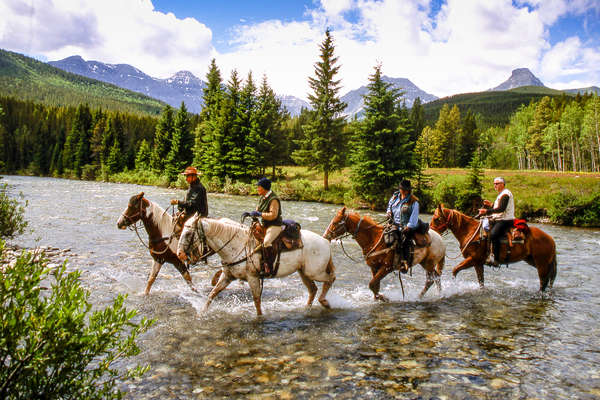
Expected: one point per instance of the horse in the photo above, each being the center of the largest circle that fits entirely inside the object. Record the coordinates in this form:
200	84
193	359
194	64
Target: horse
379	257
538	248
236	247
162	241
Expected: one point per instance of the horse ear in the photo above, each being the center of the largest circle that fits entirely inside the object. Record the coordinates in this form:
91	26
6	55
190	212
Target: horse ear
343	210
141	195
441	208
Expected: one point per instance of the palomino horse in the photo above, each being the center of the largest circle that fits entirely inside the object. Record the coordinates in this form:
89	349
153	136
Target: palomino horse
538	249
162	242
234	244
369	236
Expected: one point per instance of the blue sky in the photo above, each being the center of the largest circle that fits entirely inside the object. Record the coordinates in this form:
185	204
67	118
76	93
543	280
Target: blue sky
444	47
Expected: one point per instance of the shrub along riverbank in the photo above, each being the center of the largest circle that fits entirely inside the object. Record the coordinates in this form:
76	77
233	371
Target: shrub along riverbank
561	198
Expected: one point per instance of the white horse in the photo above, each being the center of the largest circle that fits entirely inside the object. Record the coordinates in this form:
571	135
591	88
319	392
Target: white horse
234	244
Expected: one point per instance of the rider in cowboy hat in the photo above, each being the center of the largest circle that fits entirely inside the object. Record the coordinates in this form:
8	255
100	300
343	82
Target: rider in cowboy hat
403	211
195	199
269	209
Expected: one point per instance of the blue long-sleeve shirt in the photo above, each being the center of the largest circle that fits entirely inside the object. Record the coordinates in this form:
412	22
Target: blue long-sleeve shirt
395	206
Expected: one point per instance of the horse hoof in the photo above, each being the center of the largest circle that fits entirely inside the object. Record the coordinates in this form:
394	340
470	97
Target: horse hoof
325	303
382	298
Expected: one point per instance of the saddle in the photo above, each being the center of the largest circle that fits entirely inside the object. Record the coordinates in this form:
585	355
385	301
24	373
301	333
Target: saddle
289	239
290	235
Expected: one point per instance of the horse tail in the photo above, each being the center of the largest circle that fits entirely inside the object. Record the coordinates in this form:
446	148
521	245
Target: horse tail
553	272
330	269
440	266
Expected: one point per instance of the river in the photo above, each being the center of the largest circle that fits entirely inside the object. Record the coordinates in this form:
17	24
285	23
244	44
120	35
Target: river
506	341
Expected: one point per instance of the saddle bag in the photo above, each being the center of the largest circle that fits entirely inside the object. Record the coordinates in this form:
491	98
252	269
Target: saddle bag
291	229
390	235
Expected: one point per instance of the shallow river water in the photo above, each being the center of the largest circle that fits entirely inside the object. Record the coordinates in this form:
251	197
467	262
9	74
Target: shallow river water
507	341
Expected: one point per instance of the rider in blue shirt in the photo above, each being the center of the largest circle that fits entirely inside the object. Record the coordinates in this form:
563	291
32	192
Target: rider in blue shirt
403	210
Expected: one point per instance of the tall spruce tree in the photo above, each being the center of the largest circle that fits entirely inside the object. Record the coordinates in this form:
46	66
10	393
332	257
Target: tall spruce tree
205	151
162	139
182	143
142	159
382	153
322	146
468	140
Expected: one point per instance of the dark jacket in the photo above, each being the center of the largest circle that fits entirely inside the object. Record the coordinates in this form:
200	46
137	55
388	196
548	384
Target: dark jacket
195	200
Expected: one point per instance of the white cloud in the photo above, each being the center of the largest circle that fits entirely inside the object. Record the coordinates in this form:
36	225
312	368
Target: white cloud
112	31
469	45
570	61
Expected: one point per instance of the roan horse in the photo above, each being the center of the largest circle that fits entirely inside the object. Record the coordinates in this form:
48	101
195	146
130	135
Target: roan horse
235	245
538	248
162	242
369	236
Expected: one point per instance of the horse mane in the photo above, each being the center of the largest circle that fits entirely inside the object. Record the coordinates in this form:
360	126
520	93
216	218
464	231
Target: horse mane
223	226
161	218
366	219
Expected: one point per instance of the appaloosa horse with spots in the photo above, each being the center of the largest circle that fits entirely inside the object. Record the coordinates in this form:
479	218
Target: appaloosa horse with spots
162	240
235	245
538	248
379	257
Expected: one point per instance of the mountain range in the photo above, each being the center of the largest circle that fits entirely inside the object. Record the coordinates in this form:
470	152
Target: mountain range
183	86
356	103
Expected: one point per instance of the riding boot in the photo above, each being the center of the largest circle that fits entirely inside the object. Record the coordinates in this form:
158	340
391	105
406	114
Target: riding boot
491	260
268	259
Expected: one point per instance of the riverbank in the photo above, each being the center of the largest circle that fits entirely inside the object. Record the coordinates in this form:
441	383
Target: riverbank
544	196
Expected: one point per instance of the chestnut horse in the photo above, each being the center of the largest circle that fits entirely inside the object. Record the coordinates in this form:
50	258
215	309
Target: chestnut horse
538	248
379	257
162	242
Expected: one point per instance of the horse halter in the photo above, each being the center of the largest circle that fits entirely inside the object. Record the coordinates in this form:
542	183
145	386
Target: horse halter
130	219
446	224
340	228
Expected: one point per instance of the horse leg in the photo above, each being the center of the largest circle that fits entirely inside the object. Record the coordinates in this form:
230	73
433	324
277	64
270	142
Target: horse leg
310	285
479	271
186	275
224	281
428	282
466	263
152	277
327	285
255	287
374	284
216	277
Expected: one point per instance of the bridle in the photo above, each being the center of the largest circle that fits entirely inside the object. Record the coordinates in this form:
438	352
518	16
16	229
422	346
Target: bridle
446	224
202	239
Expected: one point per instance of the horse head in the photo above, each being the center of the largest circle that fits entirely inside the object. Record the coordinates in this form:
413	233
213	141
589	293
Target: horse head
441	218
136	209
190	241
337	227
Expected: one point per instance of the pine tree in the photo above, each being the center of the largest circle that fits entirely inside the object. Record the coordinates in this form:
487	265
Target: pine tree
142	159
468	140
417	120
469	198
382	153
322	147
162	139
83	123
182	142
205	151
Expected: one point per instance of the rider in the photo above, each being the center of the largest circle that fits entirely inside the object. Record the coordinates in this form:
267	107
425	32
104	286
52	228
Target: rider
502	214
195	199
269	209
403	211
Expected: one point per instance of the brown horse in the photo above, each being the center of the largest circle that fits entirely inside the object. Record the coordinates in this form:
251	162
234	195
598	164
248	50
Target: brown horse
162	241
538	248
378	256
